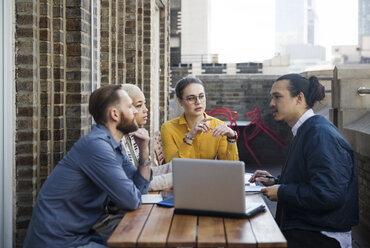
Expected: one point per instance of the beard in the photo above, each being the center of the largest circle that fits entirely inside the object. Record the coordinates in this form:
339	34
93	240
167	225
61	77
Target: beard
127	126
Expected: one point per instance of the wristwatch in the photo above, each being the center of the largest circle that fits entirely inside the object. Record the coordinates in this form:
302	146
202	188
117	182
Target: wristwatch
145	164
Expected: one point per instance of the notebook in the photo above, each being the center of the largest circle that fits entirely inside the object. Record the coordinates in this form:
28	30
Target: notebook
212	188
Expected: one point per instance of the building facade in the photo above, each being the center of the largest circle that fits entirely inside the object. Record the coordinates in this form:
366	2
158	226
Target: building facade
296	34
363	19
56	54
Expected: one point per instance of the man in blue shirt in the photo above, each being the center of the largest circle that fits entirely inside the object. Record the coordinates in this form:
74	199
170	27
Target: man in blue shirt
94	171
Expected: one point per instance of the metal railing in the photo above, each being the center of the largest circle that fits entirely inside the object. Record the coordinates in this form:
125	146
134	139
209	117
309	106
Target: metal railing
363	91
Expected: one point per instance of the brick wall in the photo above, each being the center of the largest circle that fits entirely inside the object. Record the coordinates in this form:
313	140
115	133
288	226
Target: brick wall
54	78
363	166
127	51
52	88
27	111
164	61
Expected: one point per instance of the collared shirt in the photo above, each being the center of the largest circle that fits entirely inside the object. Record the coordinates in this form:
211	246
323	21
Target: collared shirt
309	113
75	194
204	145
344	238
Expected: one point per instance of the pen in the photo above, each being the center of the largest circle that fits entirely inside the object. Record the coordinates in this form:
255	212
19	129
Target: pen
265	176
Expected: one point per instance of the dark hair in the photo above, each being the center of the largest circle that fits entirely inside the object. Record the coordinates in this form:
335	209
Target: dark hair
312	90
101	99
183	83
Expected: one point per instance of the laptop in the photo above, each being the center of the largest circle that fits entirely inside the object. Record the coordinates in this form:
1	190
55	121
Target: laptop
211	188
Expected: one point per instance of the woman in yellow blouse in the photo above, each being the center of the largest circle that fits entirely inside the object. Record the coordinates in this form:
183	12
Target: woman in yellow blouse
195	134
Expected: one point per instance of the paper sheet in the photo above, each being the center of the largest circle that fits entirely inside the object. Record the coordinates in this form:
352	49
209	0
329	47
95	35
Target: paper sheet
251	187
151	198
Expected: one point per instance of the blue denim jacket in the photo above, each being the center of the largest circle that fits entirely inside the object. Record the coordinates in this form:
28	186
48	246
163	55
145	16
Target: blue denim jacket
75	194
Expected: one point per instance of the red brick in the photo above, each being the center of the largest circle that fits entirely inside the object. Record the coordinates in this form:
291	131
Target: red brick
58	98
44	159
44	22
73	3
24	185
44	34
25	73
25	86
22	224
45	47
58	86
25	136
24	98
73	25
44	98
58	134
58	123
26	111
58	11
25	19
24	7
74	50
25	124
24	211
58	74
73	98
44	135
25	198
25	172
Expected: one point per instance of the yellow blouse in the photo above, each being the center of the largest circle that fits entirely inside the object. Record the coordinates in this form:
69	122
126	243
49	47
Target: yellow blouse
204	145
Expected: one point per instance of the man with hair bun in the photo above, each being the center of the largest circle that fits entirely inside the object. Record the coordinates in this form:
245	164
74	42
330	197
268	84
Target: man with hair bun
317	191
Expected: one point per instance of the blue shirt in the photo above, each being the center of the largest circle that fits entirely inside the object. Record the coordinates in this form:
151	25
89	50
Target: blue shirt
75	194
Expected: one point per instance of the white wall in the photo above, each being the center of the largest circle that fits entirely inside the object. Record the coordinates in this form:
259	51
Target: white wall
6	122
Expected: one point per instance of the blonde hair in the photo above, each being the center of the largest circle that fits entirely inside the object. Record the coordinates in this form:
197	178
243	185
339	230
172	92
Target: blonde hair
131	89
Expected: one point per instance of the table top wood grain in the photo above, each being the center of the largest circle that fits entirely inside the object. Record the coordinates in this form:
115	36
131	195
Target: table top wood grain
154	226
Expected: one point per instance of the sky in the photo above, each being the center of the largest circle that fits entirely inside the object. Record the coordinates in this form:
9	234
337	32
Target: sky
244	30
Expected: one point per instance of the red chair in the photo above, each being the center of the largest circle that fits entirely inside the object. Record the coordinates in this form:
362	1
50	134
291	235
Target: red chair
257	127
231	115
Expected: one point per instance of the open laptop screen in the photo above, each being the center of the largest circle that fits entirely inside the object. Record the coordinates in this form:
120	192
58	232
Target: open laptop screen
213	186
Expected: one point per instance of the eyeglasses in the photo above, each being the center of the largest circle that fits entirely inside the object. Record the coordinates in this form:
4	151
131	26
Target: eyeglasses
193	99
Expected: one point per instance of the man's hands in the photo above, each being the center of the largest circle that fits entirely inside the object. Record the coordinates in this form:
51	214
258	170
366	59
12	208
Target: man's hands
263	177
142	138
271	192
266	179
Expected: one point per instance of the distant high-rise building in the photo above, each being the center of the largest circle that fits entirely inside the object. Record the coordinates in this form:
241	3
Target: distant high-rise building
363	19
190	31
175	31
296	33
195	26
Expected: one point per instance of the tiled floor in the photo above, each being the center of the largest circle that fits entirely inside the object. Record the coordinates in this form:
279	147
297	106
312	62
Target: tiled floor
361	237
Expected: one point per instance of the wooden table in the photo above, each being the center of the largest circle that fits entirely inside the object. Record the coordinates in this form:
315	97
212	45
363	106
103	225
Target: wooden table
153	226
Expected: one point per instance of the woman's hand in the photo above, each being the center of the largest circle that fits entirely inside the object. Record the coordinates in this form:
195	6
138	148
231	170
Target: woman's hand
200	127
142	138
260	176
223	130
